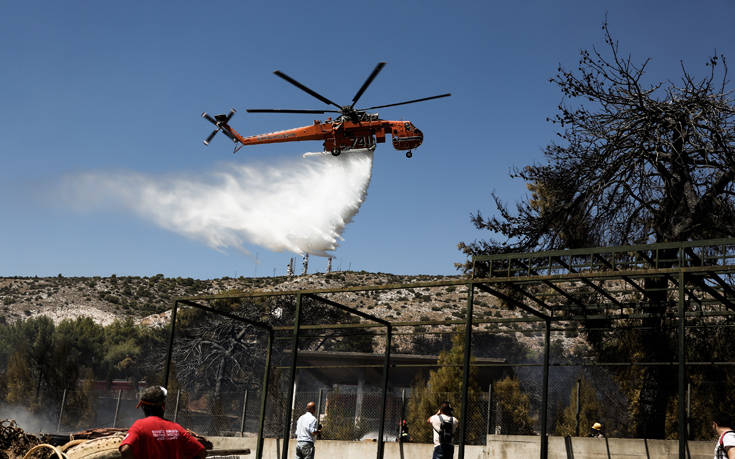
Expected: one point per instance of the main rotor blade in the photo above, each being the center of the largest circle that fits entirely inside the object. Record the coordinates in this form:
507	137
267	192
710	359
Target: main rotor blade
367	82
304	88
273	110
408	102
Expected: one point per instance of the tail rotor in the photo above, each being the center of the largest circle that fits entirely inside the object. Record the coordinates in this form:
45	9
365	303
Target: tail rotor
220	121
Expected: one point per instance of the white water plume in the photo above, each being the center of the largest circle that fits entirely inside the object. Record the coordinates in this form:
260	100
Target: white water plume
300	206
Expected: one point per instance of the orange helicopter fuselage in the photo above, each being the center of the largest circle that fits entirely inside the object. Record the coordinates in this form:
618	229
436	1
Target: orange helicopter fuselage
342	135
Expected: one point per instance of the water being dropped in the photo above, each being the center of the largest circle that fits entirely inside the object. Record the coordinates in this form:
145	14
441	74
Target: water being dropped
300	206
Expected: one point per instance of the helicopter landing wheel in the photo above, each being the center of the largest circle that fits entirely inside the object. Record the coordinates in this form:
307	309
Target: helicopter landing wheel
408	154
336	152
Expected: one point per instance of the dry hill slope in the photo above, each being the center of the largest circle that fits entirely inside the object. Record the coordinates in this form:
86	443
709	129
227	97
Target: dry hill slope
147	299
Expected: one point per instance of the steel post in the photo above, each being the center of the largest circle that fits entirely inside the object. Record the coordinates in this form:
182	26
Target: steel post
489	411
292	377
466	368
403	412
545	393
167	367
579	408
386	378
264	396
319	406
689	407
682	370
244	412
176	408
117	408
61	411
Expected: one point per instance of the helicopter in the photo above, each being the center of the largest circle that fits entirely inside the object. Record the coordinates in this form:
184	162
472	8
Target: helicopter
352	129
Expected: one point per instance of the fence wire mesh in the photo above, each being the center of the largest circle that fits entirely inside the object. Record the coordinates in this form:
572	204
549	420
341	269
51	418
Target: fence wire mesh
579	396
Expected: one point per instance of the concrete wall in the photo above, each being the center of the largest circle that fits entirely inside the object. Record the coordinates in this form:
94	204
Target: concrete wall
513	446
498	447
333	449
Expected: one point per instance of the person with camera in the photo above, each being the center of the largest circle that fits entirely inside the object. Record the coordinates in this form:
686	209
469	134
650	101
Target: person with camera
444	426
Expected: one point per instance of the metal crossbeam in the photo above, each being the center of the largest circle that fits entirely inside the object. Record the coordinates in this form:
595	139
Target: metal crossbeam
557	289
513	301
341	306
702	285
627	279
725	286
589	283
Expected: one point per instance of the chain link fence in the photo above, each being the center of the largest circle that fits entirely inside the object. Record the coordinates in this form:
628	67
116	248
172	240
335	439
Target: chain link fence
344	414
579	396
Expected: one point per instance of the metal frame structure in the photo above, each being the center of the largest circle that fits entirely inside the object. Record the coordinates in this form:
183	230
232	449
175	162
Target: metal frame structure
548	287
266	372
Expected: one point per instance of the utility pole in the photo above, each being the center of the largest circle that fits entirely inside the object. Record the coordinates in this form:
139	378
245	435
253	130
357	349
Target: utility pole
306	264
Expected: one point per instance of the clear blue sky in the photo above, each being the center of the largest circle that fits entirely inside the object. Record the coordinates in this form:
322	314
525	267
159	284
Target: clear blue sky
119	86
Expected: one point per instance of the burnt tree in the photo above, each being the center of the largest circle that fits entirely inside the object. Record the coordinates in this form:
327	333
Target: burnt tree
634	162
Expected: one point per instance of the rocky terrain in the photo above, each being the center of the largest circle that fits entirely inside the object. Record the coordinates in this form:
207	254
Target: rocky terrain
148	300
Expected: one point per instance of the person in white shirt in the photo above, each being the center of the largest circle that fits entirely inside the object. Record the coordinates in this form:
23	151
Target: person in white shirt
725	447
444	426
307	427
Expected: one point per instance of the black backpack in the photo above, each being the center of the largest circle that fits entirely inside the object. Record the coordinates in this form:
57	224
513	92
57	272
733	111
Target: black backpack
445	430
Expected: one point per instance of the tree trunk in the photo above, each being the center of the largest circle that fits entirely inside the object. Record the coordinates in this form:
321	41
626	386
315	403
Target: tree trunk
656	346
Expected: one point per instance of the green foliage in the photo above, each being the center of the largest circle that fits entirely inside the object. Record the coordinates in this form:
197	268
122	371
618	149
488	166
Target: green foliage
339	422
30	342
129	349
38	360
590	411
78	343
122	347
514	406
444	384
711	386
78	407
20	382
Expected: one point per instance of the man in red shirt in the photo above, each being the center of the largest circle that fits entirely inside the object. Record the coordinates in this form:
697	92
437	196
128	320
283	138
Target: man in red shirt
156	438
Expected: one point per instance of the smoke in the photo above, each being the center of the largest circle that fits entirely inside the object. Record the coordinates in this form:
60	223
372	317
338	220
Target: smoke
300	206
27	420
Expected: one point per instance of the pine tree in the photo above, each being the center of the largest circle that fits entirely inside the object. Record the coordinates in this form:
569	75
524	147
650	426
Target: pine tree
445	384
590	411
514	407
20	380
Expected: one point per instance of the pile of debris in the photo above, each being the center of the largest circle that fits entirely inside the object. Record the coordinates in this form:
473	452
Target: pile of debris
14	442
94	443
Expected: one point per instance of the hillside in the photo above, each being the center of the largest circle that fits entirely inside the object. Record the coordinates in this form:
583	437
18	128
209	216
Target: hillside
149	299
